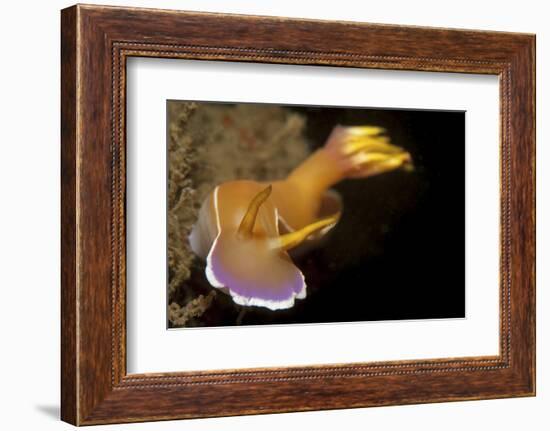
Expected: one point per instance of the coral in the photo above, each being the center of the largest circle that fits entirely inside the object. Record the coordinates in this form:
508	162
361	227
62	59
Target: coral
210	143
179	315
180	194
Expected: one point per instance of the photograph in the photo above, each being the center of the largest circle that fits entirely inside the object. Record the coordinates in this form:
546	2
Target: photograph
293	214
278	210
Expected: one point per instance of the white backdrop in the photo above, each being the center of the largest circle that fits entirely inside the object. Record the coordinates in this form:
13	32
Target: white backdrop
29	220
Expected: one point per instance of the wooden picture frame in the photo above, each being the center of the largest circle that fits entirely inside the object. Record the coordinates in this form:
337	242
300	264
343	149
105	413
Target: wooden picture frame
95	43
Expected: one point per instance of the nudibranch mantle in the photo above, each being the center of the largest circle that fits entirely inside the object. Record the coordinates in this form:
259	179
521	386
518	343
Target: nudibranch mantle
239	223
271	279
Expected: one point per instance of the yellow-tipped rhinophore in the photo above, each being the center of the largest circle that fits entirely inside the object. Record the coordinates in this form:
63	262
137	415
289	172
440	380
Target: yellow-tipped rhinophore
247	223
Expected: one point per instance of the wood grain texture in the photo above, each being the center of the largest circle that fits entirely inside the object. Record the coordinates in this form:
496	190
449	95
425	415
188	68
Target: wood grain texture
69	397
96	41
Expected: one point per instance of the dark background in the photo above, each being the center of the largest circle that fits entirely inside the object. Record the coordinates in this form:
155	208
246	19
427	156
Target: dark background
398	251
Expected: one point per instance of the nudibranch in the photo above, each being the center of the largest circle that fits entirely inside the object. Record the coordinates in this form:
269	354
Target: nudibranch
245	228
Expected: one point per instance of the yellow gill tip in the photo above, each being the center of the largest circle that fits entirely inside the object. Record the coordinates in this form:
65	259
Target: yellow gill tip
363	130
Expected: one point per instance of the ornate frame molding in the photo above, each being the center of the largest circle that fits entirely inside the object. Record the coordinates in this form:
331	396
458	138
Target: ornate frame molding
96	41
